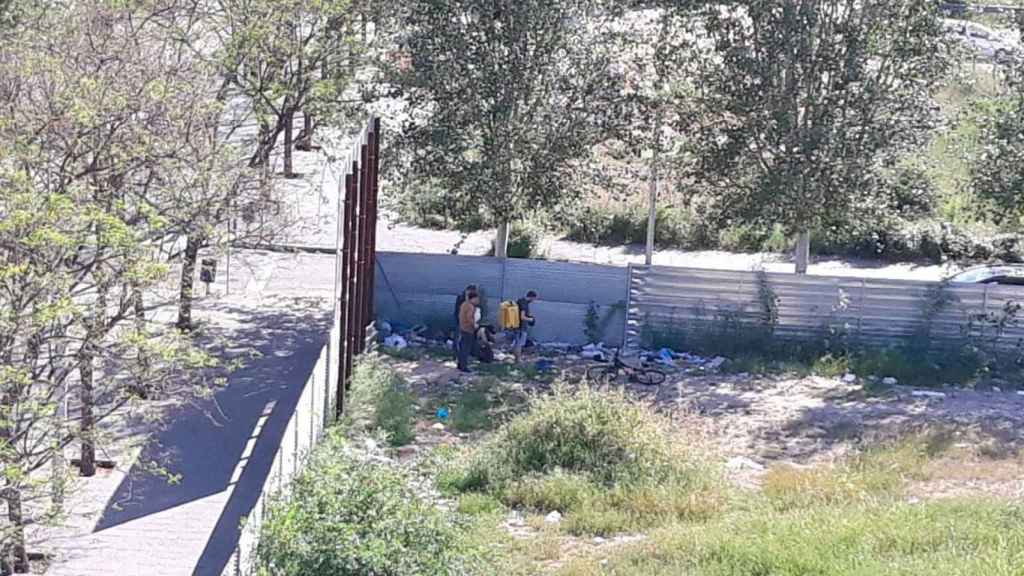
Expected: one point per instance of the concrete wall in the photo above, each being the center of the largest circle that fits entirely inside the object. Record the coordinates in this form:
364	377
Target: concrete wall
421	288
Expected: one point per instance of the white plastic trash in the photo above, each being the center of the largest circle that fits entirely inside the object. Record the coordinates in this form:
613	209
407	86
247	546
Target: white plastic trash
395	341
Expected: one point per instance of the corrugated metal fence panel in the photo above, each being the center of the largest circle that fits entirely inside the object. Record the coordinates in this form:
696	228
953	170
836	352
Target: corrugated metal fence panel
413	288
876	311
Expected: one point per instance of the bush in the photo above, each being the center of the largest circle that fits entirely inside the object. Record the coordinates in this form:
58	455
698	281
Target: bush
918	367
604	437
381	400
348	516
620	224
606	463
525	240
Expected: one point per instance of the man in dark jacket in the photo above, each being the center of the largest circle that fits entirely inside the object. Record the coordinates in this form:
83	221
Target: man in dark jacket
526	320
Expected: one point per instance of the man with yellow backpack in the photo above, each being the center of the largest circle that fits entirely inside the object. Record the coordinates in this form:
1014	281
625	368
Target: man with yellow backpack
518	318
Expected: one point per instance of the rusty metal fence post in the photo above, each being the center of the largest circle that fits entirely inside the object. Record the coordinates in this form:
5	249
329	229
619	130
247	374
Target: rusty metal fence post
357	214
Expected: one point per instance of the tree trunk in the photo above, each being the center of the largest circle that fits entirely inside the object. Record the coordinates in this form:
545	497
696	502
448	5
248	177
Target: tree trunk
803	251
139	306
87	467
289	166
14	558
188	278
95	331
305	140
501	241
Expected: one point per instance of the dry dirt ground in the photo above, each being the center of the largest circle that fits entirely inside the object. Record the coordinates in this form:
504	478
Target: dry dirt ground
756	422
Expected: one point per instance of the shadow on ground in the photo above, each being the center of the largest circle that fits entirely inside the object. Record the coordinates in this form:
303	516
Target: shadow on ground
204	441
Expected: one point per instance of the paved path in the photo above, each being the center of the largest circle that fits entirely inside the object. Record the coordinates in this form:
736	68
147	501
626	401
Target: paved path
150	527
276	317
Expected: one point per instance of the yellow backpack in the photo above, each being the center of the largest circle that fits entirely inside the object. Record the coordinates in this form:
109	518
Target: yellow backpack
508	315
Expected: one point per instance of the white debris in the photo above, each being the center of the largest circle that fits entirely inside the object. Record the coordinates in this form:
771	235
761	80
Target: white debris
716	363
849	378
743	463
997	389
1020	392
599	540
438	426
889	381
595	352
928	394
553	517
396	341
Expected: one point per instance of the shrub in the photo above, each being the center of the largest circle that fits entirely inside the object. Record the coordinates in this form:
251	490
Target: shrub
381	400
606	463
920	367
525	240
348	516
604	437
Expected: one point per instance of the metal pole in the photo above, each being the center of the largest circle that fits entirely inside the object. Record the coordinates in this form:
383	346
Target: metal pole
652	209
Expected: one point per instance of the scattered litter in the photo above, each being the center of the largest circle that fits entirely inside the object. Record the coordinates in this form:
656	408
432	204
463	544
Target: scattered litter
890	381
665	356
553	518
438	426
850	378
595	352
442	413
997	389
384	328
743	463
928	394
716	363
557	345
1020	392
599	540
395	341
450	344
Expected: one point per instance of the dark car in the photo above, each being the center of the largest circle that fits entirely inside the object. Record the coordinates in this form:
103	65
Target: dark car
1004	274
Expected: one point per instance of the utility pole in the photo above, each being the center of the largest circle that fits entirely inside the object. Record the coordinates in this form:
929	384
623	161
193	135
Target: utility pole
652	209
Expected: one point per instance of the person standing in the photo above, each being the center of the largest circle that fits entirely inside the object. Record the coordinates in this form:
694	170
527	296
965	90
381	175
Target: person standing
458	307
526	320
467	329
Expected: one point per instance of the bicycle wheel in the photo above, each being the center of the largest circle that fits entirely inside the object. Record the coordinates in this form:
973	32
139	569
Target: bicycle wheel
649	377
601	374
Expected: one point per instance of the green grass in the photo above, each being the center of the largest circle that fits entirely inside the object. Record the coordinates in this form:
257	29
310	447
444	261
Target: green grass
471	411
880	473
381	400
943	538
607	464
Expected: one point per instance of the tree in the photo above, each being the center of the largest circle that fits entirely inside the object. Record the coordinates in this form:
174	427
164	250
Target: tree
802	101
506	102
92	123
287	56
997	174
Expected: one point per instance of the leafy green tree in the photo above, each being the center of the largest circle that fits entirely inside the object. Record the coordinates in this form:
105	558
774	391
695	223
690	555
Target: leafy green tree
802	101
288	56
997	173
506	101
96	119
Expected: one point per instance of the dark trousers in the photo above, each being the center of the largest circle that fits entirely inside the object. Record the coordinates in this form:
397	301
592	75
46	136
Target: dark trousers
467	342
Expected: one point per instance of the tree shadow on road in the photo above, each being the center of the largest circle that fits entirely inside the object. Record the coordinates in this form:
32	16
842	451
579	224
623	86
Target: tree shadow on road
203	442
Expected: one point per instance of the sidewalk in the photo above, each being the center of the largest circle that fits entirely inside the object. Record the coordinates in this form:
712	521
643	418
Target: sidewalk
276	318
